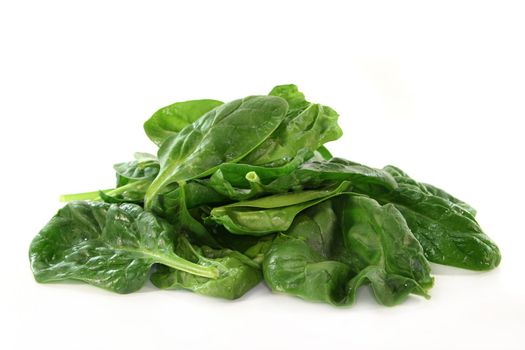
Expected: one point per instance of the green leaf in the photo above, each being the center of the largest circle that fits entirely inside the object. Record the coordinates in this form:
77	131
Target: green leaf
309	175
167	205
447	196
188	223
107	245
170	120
269	214
292	95
225	134
392	246
145	167
235	173
238	274
307	126
445	226
338	245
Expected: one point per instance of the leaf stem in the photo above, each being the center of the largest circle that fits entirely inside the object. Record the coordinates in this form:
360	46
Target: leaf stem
95	195
178	263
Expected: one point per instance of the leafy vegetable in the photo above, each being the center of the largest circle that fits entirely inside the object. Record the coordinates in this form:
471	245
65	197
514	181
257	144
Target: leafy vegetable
170	120
269	214
311	174
247	190
225	134
238	273
307	127
186	222
106	245
444	225
319	260
197	194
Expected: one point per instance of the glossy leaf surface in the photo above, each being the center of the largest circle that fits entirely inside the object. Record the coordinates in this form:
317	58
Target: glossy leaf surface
107	245
170	120
445	226
338	245
269	214
225	134
238	273
307	126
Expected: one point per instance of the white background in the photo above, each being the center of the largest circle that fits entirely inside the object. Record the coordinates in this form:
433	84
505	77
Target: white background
435	88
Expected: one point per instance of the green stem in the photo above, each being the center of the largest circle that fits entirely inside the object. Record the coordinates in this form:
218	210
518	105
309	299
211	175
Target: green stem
176	262
95	195
158	184
179	263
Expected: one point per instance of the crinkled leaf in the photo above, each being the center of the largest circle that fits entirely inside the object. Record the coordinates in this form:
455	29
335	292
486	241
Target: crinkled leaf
448	232
306	126
238	273
107	245
340	244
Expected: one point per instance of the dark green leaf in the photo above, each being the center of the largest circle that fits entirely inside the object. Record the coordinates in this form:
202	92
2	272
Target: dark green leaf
107	245
328	253
309	175
167	205
445	228
307	126
225	134
238	273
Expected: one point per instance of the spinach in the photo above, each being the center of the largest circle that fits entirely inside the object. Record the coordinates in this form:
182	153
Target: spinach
340	244
197	194
270	214
238	273
170	120
107	245
307	126
312	174
444	225
224	134
247	191
186	222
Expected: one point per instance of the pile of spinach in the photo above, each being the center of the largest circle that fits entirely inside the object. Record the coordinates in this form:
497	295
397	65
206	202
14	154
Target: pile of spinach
245	191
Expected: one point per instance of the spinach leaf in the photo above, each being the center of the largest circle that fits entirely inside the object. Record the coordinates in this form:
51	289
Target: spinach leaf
447	196
107	245
225	134
235	173
170	120
144	167
445	226
292	95
336	246
306	126
317	173
311	174
187	222
238	273
269	214
197	193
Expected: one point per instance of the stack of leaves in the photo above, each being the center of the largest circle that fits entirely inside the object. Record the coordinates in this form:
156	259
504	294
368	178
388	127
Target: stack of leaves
245	191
